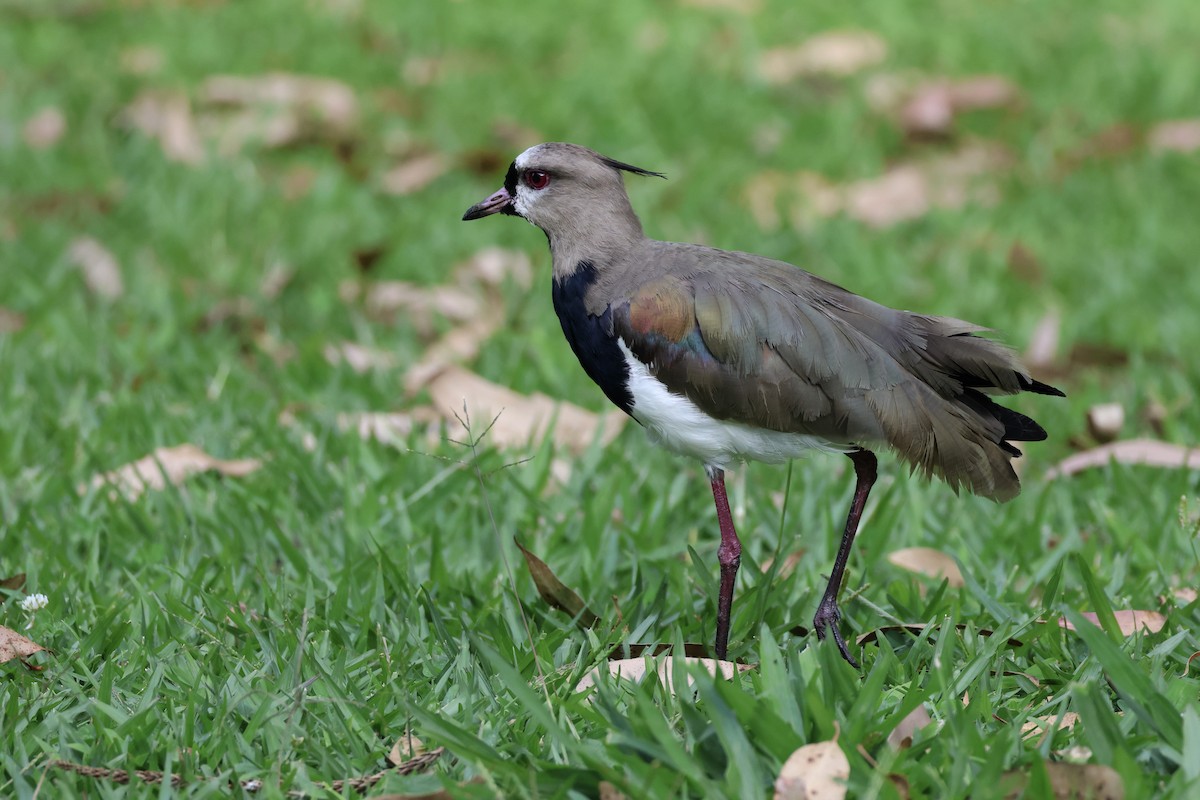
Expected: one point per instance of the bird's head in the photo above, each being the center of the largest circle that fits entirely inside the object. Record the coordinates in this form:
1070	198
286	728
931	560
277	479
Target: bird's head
564	189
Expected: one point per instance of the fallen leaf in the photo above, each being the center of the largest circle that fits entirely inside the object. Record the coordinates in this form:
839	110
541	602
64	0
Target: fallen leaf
610	792
1128	621
514	135
554	591
384	300
166	118
1180	136
690	649
1035	725
1043	342
515	420
13	582
406	748
837	53
459	344
325	101
1105	421
359	358
167	465
276	279
14	645
1185	595
787	567
1069	781
929	562
902	735
634	669
141	60
101	273
932	106
386	427
906	190
816	771
414	174
1147	452
45	128
493	265
1024	264
11	321
1111	142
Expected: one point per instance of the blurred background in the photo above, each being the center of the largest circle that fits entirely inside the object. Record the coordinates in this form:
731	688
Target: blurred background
236	225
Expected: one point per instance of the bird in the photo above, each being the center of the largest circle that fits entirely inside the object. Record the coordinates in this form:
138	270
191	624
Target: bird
727	357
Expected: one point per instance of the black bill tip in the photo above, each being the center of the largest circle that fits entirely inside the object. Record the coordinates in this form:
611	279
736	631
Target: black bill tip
501	200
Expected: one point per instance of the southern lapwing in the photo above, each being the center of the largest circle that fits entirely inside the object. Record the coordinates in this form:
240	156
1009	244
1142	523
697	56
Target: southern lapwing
727	356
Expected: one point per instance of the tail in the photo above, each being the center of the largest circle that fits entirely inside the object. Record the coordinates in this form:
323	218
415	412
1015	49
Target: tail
959	432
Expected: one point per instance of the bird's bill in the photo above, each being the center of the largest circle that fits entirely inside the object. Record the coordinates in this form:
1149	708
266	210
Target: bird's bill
498	202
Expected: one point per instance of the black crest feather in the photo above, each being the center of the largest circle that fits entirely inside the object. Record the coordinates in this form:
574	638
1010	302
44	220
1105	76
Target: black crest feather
621	165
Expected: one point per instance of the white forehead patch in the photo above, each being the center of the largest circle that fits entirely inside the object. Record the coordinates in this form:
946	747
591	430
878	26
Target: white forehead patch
523	160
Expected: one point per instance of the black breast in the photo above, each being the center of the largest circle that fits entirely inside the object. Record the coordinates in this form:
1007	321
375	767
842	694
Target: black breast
591	336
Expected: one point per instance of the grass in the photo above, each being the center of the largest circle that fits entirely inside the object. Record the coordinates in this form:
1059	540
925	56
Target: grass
288	626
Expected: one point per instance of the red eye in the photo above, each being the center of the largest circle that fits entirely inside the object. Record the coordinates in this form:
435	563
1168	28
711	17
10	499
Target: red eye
536	179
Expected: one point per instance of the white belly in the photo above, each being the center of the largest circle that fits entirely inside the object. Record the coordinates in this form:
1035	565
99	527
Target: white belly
678	424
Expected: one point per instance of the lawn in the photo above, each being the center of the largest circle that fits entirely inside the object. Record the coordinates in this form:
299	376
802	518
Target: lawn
191	259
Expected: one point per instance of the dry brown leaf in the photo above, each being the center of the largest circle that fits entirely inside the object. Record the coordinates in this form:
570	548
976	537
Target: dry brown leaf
384	300
456	346
1024	264
907	190
44	128
1147	452
902	735
932	106
1185	595
610	792
325	101
787	567
141	60
816	771
276	279
516	420
554	591
929	562
11	321
167	118
167	465
386	427
358	357
762	194
414	174
634	669
1064	721
492	265
1127	620
1069	782
101	273
406	748
13	582
1181	136
276	110
838	53
1043	342
14	645
1105	421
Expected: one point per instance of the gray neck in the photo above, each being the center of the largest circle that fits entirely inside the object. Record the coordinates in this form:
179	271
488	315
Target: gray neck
603	239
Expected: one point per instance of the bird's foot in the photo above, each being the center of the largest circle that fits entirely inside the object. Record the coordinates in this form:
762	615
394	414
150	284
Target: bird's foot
827	618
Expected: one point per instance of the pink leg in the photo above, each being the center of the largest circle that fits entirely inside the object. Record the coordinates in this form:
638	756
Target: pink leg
729	555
